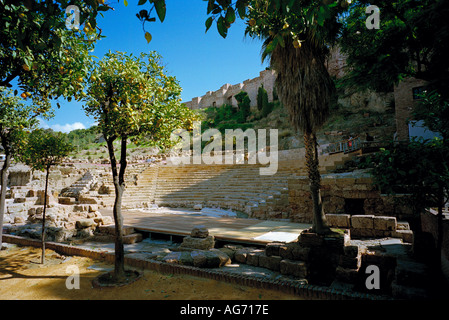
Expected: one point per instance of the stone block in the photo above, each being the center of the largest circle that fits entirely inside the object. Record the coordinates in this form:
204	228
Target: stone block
110	229
299	252
272	249
363	233
19	219
229	252
209	258
172	257
106	220
337	240
339	220
310	239
66	200
31	211
20	200
270	262
362	221
199	232
352	251
350	262
31	193
385	223
294	268
241	255
132	238
252	257
405	235
16	208
198	243
85	223
346	275
78	207
87	200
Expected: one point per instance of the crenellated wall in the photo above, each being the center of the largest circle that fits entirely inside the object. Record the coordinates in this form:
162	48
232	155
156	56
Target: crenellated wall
226	94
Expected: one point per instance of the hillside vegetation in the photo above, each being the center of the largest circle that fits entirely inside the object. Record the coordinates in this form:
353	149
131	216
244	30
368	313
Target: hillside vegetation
347	119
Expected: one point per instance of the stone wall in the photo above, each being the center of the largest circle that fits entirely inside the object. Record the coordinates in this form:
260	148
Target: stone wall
429	224
404	103
226	94
351	193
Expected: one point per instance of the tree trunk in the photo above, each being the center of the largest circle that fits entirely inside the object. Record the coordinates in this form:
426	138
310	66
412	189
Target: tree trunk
319	218
43	215
4	183
119	186
440	227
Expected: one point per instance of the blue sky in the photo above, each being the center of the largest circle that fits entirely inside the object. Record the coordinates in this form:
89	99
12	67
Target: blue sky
200	61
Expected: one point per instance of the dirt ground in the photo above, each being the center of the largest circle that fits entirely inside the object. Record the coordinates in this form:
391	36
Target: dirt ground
22	277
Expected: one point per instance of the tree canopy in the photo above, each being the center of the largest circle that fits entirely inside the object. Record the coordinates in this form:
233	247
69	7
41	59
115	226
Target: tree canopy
37	50
413	41
133	97
45	148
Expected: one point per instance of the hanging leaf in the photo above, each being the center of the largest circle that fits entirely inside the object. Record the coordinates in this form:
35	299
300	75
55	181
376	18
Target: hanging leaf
221	26
160	9
209	23
230	15
148	37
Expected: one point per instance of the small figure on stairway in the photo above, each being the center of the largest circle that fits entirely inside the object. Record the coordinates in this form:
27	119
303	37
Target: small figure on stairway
368	137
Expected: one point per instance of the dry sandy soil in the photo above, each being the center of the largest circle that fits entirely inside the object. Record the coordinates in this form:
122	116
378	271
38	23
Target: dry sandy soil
22	277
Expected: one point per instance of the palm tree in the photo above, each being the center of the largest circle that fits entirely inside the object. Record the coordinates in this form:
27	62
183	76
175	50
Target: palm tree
305	88
303	83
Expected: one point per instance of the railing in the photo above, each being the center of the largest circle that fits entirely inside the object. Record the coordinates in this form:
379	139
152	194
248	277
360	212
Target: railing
345	146
353	144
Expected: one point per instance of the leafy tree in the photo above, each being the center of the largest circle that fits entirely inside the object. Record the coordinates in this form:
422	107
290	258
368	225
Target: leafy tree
44	149
261	95
15	118
413	41
296	38
434	111
132	98
47	59
419	168
44	58
244	102
297	35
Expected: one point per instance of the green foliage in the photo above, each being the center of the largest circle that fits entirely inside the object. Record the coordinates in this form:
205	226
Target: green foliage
434	111
83	137
267	108
419	168
275	94
244	106
132	97
15	118
262	95
222	118
37	49
45	148
279	22
412	41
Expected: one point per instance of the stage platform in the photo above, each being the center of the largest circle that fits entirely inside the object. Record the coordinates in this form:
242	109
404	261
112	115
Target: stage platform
180	222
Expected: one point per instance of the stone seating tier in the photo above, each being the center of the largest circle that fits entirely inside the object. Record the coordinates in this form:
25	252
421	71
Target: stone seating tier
239	186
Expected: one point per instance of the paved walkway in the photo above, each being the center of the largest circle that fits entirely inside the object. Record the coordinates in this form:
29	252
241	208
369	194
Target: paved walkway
177	221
